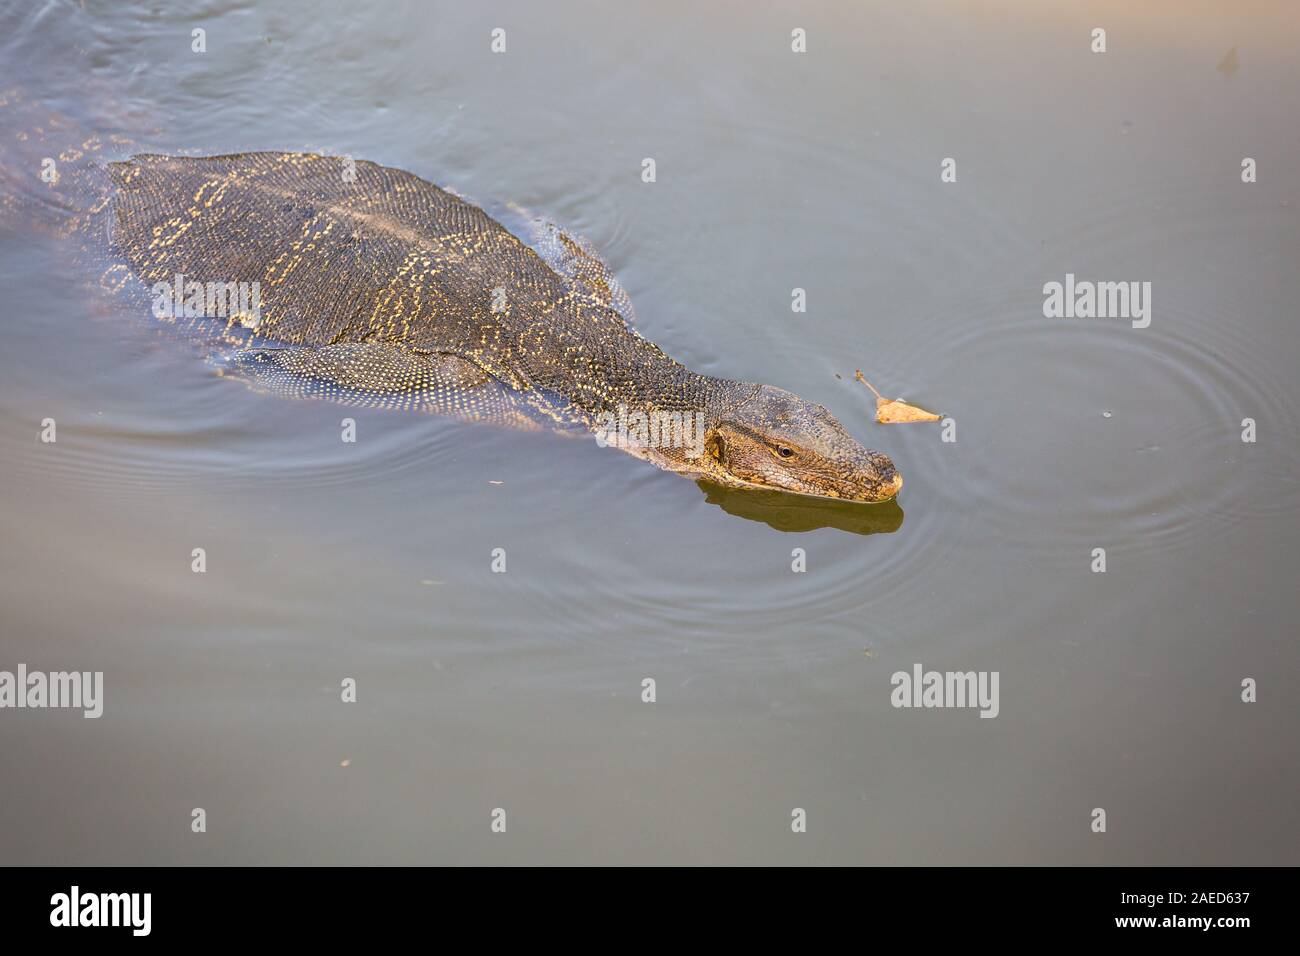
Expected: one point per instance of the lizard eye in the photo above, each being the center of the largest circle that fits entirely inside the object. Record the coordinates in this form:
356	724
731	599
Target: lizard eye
784	452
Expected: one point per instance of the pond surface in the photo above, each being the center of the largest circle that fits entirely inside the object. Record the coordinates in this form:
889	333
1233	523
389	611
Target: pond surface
523	691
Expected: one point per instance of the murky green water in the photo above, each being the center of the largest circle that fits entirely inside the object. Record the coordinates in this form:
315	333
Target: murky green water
523	690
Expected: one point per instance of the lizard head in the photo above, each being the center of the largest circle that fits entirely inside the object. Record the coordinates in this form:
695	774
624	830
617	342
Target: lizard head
777	441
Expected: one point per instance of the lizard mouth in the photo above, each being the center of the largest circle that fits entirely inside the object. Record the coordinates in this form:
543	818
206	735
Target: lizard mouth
884	491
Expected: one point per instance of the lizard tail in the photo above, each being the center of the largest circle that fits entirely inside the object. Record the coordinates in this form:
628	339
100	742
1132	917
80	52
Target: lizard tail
52	168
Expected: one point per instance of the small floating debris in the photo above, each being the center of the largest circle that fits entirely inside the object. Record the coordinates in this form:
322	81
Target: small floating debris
895	411
345	762
492	482
1106	414
1228	65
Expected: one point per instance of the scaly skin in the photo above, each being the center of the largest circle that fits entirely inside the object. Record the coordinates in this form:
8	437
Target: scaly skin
379	287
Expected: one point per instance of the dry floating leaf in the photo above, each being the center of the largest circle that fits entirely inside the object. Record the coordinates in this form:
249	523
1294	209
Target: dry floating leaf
893	411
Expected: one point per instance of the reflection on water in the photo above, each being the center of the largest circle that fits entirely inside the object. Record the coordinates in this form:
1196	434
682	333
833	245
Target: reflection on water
776	172
803	513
